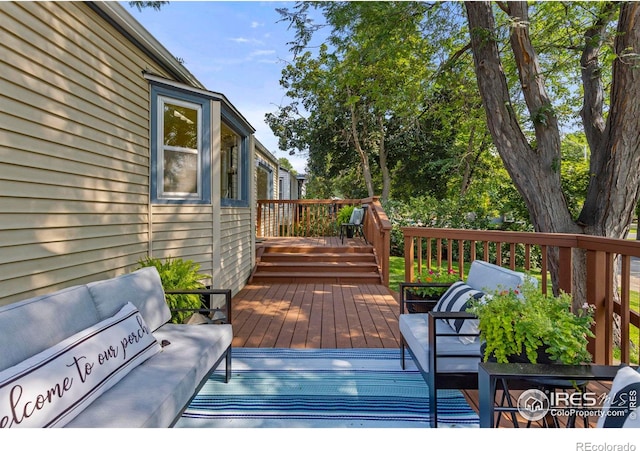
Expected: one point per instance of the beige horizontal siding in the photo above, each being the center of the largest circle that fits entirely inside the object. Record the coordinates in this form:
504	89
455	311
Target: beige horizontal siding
74	150
235	247
184	231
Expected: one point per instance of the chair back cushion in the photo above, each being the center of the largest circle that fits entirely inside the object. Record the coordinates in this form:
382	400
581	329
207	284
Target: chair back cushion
490	278
356	216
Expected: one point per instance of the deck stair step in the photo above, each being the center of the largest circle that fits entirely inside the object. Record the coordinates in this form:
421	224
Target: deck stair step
316	264
325	266
297	257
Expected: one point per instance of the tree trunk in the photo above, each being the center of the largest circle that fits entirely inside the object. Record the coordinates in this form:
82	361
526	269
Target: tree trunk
615	147
364	156
535	172
384	165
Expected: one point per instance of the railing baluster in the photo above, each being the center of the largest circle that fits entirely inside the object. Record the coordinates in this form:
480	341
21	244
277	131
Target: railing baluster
625	314
543	269
419	256
461	258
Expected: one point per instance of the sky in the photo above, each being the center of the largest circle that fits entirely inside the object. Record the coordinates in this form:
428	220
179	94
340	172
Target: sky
235	48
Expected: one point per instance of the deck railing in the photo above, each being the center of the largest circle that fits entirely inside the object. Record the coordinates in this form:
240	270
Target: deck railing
317	218
377	229
299	217
608	265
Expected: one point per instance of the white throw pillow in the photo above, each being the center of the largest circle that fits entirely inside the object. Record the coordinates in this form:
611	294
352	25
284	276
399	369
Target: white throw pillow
458	298
621	405
52	387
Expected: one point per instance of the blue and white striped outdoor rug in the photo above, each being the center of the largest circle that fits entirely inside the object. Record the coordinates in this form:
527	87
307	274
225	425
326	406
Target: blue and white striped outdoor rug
350	388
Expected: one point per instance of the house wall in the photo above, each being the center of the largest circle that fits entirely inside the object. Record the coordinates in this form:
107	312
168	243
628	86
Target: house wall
284	184
75	163
236	247
74	148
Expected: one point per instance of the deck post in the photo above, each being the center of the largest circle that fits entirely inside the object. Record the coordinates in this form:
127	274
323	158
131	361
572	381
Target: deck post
408	258
596	296
565	269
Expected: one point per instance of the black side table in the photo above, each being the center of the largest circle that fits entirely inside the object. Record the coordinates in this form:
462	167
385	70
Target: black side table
490	373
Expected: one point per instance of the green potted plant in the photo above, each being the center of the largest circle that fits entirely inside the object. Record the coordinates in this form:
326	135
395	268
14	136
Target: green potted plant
176	273
343	217
529	326
436	281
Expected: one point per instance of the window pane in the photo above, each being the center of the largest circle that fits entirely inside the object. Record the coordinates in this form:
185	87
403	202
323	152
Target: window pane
180	126
230	163
180	172
262	183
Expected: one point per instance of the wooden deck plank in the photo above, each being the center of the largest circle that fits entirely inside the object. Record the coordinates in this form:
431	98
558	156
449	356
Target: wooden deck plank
342	330
299	338
291	317
356	333
328	333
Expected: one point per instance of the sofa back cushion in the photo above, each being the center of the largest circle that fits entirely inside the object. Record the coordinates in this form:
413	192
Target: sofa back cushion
33	325
52	387
490	278
143	288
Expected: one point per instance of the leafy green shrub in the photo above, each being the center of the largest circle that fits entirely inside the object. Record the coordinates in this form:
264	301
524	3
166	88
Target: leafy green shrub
344	215
512	326
175	274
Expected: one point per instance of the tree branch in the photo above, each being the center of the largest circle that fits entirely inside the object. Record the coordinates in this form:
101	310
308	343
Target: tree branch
593	103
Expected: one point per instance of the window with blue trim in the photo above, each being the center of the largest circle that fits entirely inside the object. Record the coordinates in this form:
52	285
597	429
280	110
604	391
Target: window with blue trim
234	161
180	147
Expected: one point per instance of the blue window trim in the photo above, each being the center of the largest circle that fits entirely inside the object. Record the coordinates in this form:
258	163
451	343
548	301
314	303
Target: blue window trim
205	154
232	121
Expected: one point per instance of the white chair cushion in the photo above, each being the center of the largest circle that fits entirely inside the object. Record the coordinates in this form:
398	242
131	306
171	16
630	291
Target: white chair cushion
415	330
490	278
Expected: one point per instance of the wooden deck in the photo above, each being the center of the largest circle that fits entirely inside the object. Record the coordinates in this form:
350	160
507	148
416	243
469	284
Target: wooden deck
328	315
316	316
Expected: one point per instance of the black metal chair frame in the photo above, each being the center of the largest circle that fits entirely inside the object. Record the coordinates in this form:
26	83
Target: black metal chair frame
435	380
357	228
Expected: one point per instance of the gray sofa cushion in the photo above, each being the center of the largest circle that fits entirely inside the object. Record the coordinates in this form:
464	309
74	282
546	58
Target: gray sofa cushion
143	288
490	278
155	391
415	330
31	326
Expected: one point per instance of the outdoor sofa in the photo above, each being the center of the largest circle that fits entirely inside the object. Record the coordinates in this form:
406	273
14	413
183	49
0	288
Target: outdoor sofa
105	355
